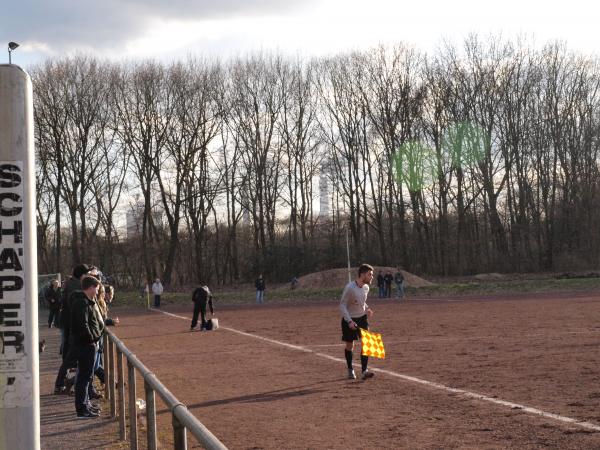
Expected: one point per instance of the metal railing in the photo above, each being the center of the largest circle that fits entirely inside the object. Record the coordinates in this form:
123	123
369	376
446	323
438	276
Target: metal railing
182	419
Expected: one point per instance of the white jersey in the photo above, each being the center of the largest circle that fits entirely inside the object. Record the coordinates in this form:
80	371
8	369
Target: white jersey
354	301
157	288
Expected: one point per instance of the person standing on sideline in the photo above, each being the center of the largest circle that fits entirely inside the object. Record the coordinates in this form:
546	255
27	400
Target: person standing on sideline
101	309
381	284
52	297
157	290
294	282
399	280
86	328
201	297
388	278
260	289
71	285
109	296
354	311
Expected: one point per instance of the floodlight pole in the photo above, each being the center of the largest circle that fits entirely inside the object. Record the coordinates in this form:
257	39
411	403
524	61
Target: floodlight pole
348	254
19	358
11	47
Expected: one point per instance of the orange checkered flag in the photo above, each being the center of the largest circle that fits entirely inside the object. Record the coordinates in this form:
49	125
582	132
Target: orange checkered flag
372	345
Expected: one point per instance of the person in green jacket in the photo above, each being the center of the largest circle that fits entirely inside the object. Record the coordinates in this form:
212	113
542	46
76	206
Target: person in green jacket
86	327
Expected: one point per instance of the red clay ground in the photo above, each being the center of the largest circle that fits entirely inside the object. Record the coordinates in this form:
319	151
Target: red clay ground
540	352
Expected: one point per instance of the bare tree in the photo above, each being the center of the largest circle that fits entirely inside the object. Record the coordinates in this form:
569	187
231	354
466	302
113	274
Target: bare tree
479	157
193	186
257	100
392	92
144	109
298	132
51	119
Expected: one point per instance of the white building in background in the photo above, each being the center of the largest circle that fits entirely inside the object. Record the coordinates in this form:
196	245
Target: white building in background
325	191
245	210
135	216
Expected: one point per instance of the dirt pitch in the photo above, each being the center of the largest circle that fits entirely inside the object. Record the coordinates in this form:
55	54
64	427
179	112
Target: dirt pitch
253	389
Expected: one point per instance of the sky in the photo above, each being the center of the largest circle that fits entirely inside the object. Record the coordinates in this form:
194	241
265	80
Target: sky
176	29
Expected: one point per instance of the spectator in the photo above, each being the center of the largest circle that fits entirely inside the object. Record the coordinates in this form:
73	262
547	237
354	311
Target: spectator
157	290
109	297
399	280
71	285
260	289
294	282
388	278
52	297
86	328
201	298
102	310
380	284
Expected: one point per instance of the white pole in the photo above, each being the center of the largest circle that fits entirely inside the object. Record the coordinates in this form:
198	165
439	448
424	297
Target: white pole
19	358
348	254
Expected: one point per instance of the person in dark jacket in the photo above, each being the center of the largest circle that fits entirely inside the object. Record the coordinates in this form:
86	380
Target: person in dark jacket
86	327
73	284
260	289
381	284
201	298
52	297
399	280
388	278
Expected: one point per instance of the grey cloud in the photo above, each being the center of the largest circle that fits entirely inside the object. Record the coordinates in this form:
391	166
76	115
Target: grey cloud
67	24
219	8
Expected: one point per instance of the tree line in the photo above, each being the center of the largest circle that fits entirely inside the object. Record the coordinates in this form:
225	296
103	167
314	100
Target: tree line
479	157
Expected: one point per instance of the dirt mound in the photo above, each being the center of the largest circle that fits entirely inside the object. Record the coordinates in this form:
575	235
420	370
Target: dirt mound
339	277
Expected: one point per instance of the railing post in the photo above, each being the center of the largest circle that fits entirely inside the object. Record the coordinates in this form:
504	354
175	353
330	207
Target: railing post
122	429
111	379
106	364
179	433
106	368
182	420
133	431
150	416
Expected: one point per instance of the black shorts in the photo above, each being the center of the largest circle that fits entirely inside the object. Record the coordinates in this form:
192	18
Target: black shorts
349	335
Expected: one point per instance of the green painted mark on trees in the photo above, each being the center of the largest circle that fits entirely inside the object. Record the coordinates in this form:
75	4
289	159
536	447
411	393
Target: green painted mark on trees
417	165
465	144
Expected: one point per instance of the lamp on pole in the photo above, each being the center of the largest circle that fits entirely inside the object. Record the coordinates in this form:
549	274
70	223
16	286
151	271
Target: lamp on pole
11	47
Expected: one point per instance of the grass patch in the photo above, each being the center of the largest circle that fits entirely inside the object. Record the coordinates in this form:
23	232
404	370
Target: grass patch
238	297
550	285
288	296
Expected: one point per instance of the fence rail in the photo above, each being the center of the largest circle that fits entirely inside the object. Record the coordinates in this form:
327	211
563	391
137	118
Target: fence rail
182	419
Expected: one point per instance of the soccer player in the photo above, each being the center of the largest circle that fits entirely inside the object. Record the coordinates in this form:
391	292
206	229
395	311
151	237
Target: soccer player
354	310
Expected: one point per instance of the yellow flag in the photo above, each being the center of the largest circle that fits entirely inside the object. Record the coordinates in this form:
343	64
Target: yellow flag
372	345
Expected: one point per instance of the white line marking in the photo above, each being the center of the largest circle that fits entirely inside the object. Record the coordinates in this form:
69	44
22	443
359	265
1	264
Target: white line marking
442	387
476	338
